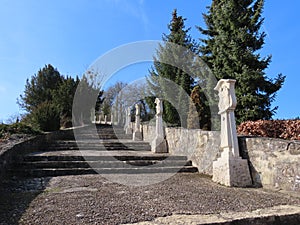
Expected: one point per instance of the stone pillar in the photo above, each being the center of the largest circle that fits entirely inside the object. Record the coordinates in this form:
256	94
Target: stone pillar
105	119
159	143
112	118
93	116
127	128
229	169
137	135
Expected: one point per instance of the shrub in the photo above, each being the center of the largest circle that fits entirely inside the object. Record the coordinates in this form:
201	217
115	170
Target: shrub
46	117
17	128
286	129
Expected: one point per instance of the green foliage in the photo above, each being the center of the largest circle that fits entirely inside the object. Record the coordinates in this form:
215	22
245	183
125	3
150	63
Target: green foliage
233	38
86	93
162	71
16	128
40	88
106	108
39	97
200	118
48	98
63	99
46	117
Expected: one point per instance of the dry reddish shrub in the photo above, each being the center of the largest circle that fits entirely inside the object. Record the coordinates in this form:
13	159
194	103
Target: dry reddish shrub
286	129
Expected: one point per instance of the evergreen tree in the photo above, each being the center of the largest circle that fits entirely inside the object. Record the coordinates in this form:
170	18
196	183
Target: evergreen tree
87	92
45	117
40	88
200	118
163	71
63	98
38	99
233	39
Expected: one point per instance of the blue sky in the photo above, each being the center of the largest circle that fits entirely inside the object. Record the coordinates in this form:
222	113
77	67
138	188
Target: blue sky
72	34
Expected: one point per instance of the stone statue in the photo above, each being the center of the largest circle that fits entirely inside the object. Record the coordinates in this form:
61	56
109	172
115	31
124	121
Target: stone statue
159	144
137	135
227	99
127	128
159	106
137	109
229	169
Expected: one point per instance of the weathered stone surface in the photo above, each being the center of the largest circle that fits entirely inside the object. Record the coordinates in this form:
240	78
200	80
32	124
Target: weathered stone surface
232	172
127	127
137	135
12	153
274	163
201	147
294	148
284	214
229	169
159	143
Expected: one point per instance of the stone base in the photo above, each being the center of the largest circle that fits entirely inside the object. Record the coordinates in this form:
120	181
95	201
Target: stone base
137	136
232	172
128	130
159	145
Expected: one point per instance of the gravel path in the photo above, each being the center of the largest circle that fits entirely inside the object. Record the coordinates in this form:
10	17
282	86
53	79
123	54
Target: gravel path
91	199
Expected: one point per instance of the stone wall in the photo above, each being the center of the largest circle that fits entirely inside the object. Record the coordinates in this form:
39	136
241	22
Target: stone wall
12	152
202	147
274	163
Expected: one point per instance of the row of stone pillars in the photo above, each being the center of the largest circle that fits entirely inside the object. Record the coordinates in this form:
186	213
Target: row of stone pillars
229	169
159	143
97	120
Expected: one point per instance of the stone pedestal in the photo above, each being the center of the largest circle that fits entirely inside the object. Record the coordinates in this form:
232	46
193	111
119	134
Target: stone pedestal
159	144
105	119
230	169
137	135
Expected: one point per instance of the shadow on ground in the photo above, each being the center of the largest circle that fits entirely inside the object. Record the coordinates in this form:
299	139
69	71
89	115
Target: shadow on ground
16	194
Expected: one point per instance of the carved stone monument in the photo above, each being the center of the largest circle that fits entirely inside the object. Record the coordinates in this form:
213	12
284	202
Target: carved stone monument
127	128
229	169
137	135
159	143
112	118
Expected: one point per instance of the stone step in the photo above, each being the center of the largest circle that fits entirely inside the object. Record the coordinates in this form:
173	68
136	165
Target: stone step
106	137
35	158
99	148
50	172
101	164
101	151
64	145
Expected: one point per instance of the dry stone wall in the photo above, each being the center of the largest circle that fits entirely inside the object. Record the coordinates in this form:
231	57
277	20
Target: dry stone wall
202	147
274	163
13	152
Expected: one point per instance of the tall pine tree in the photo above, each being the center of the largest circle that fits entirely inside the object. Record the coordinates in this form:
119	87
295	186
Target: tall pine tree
162	71
40	88
233	39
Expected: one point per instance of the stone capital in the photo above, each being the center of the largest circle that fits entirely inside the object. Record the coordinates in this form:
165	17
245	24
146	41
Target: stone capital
227	97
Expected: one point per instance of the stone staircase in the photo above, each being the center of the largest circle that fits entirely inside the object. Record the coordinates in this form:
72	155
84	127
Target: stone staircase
109	151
